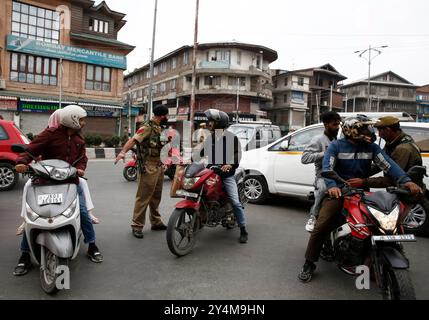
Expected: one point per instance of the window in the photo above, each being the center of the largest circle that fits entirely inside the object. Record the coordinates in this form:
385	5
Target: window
239	57
420	136
98	25
35	23
163	67
393	92
275	83
173	85
259	62
212	81
223	55
185	58
232	81
300	82
173	63
30	69
3	134
155	70
98	78
286	81
162	87
320	82
285	98
301	140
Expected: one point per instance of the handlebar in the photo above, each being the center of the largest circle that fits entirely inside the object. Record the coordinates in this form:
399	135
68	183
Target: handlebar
396	190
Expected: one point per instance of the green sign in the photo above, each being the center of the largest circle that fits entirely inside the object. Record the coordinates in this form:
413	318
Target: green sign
60	51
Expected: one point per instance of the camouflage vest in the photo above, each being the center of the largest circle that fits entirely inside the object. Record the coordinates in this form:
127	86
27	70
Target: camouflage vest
151	147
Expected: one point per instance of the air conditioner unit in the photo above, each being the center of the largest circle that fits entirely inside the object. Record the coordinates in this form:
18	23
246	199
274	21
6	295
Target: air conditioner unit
2	84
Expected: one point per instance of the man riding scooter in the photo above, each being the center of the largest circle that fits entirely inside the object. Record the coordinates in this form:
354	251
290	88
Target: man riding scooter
223	149
62	143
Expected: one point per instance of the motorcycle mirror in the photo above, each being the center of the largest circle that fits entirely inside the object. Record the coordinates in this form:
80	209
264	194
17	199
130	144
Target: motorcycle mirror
19	148
333	176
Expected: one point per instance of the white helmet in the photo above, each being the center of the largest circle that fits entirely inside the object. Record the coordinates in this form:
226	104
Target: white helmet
71	115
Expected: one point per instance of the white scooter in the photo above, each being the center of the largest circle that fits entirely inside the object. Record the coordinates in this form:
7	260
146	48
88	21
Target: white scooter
52	218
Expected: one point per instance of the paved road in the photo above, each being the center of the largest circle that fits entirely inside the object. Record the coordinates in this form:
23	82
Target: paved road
218	268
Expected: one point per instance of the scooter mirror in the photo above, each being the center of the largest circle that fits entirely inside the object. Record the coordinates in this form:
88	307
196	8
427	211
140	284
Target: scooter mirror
18	148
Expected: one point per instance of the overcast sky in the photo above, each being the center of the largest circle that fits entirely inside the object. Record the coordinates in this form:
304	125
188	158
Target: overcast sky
305	33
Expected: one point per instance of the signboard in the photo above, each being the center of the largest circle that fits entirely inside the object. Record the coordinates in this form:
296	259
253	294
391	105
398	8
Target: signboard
10	105
297	97
105	112
60	51
134	111
38	107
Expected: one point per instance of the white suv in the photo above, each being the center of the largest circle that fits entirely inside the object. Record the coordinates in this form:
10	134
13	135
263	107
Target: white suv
277	168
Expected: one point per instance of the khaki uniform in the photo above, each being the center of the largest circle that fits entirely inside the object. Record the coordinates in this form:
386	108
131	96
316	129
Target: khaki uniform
404	151
150	182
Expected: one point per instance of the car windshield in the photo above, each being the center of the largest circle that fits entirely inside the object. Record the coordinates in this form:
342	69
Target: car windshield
243	133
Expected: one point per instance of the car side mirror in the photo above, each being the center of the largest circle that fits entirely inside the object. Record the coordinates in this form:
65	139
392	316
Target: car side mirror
19	148
284	146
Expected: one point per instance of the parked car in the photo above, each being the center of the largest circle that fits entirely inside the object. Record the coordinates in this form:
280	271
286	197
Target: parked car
9	135
255	135
277	168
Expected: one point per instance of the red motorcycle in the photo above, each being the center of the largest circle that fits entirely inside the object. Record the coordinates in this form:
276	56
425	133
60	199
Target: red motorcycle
130	170
205	204
369	233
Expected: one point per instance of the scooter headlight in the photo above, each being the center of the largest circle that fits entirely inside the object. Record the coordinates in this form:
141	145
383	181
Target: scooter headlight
59	174
188	183
387	222
31	214
70	210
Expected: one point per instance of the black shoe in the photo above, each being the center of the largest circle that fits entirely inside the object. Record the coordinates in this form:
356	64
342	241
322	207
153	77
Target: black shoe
138	234
24	265
159	227
243	235
307	271
94	254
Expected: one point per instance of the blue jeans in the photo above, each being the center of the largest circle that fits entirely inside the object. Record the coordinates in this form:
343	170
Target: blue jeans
85	223
232	191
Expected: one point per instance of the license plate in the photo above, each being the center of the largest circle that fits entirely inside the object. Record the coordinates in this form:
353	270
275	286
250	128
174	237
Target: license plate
45	199
187	194
396	238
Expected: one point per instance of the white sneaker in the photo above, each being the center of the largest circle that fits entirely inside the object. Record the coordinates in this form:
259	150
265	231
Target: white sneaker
309	227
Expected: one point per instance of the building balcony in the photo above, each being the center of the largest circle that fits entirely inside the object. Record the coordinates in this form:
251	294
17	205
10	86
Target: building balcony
214	90
224	64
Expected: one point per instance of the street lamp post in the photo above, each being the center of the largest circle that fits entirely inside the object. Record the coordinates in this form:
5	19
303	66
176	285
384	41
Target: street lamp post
194	67
238	98
369	59
150	104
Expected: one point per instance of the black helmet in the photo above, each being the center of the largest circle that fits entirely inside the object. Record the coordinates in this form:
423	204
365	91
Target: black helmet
359	128
220	118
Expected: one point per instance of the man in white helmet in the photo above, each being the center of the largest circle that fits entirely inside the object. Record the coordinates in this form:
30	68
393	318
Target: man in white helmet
62	143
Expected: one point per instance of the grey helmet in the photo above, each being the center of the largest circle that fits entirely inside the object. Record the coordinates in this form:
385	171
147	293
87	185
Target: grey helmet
220	118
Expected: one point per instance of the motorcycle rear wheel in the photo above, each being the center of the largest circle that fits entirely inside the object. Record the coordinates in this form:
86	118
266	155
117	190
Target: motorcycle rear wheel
398	284
181	236
49	275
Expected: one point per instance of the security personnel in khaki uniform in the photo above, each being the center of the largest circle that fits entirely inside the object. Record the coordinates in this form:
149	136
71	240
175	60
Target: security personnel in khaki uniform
149	142
400	147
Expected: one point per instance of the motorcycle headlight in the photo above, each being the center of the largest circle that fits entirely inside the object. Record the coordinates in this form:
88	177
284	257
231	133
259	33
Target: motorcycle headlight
59	174
188	183
387	222
31	214
70	210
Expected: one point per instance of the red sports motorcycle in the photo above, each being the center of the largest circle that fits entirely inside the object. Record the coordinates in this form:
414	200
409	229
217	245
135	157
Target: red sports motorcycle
369	233
131	169
205	204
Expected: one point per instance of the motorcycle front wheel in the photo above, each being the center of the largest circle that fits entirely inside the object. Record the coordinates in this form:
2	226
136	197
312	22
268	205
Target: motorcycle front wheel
130	173
398	284
49	274
181	235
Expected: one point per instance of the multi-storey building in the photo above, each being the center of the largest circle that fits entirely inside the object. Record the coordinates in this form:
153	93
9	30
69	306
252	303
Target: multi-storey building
389	93
60	52
324	93
226	73
423	103
291	91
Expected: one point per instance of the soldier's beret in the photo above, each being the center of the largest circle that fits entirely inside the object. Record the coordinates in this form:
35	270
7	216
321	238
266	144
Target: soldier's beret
386	122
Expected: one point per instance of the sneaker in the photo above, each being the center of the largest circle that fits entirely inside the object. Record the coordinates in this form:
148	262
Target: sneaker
94	254
159	227
243	235
310	224
24	265
138	234
307	271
